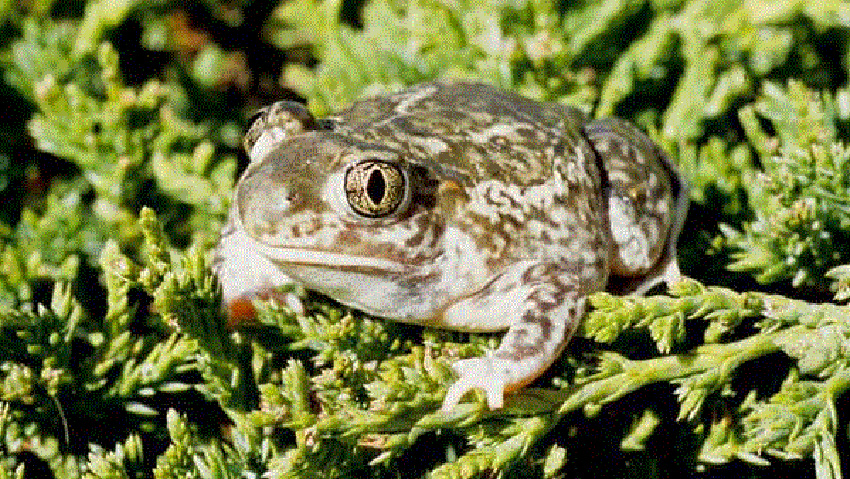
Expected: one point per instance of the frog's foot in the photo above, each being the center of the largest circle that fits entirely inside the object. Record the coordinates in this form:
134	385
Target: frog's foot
488	373
547	316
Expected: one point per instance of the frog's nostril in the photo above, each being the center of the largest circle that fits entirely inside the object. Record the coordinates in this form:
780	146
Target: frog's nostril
277	203
285	201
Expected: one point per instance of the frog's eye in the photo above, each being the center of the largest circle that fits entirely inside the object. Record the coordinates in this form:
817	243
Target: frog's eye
375	188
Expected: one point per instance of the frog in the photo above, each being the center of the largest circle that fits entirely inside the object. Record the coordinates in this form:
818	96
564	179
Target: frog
453	205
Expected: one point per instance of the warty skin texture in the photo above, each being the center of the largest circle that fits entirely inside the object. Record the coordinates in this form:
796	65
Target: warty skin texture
454	205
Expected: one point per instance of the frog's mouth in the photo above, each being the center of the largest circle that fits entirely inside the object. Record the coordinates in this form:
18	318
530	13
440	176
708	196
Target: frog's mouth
370	284
329	260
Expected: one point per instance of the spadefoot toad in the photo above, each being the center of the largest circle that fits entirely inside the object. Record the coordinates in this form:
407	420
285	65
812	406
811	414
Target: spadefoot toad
454	205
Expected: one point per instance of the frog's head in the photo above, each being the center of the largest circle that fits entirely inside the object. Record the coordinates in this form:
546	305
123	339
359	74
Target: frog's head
320	195
355	221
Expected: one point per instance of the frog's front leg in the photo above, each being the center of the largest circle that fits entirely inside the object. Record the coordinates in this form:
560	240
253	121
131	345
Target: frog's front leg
547	314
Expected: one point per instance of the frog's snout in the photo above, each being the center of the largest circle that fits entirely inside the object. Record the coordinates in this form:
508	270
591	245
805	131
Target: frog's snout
266	204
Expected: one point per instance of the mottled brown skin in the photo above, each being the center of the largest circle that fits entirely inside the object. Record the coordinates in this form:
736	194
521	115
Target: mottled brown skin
457	206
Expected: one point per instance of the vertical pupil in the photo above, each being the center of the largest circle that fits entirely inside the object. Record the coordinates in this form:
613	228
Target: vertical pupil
376	187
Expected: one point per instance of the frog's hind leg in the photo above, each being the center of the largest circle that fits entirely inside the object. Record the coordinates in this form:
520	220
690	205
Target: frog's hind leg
548	313
646	204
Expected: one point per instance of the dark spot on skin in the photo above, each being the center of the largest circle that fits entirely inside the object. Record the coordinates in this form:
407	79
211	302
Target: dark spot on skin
559	150
348	237
519	351
326	124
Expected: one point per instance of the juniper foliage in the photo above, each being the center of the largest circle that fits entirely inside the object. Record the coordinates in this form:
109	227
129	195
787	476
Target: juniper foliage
120	150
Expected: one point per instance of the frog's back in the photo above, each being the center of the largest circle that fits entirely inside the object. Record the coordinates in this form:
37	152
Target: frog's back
468	132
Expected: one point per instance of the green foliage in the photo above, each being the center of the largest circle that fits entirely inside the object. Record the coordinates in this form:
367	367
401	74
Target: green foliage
516	45
800	201
117	163
798	420
125	138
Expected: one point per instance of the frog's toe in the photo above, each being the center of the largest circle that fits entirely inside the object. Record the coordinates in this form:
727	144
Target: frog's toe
487	373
